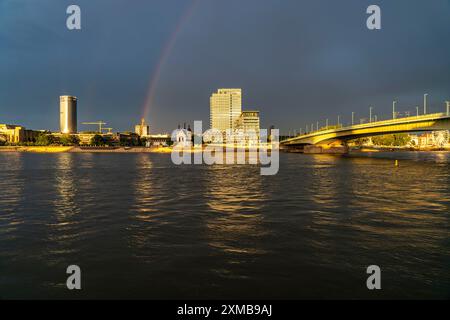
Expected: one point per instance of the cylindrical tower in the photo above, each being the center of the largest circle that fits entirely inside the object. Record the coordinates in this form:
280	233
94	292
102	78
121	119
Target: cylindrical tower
68	114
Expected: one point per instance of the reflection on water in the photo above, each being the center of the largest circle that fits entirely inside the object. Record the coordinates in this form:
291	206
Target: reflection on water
12	184
144	209
141	227
324	182
65	205
234	226
144	188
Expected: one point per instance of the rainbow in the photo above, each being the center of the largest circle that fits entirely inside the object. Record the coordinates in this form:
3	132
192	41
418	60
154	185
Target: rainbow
165	54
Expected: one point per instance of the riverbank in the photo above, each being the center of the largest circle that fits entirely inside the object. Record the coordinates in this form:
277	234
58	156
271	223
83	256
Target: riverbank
398	149
58	149
62	149
80	149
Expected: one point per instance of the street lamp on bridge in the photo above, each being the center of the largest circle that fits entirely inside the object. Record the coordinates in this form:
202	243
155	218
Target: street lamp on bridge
393	109
425	96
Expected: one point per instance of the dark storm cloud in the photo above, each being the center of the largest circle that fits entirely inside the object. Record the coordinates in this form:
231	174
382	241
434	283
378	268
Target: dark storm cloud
297	61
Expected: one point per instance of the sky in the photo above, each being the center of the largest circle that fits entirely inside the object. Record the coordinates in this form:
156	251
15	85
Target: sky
297	61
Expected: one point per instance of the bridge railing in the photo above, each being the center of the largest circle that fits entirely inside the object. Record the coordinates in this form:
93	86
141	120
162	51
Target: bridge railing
431	116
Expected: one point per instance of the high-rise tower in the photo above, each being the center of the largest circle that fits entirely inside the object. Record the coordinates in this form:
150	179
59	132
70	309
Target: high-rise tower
225	108
68	114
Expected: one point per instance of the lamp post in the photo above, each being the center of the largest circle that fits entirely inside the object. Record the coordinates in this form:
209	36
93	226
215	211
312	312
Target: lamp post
353	118
393	108
417	109
425	96
339	121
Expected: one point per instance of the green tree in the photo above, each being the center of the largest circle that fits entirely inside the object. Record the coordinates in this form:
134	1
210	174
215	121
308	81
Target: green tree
398	140
401	139
97	140
361	141
3	140
69	140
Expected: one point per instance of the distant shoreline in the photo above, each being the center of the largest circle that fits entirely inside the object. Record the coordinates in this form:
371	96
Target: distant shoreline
77	149
397	149
58	149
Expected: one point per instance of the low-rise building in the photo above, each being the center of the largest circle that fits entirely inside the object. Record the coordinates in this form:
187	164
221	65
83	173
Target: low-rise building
157	140
431	139
16	134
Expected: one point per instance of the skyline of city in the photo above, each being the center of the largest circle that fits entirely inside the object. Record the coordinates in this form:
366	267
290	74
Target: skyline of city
219	158
334	64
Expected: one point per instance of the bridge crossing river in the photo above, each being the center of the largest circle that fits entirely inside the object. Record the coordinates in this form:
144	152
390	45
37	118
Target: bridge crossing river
339	135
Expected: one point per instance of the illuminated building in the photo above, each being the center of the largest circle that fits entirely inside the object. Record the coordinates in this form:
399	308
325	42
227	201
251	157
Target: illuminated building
68	114
142	129
248	122
225	108
15	134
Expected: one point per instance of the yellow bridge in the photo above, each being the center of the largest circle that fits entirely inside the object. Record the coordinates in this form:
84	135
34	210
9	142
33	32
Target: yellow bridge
339	136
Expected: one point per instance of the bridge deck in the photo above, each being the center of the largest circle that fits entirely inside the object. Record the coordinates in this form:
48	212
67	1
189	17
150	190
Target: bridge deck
369	125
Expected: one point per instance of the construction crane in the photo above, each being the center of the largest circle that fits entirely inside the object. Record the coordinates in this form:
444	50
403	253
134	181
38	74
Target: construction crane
98	123
109	130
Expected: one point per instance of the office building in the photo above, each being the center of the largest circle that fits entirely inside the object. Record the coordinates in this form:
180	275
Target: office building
247	127
248	121
225	109
68	114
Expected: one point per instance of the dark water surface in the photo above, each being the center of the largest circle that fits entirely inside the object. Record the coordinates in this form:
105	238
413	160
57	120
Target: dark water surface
141	227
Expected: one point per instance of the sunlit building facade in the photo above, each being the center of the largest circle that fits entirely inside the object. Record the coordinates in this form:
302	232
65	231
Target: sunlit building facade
16	134
248	121
68	114
431	139
225	109
247	127
142	129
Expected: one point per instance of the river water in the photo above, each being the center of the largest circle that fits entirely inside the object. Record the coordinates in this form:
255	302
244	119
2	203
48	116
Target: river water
140	227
